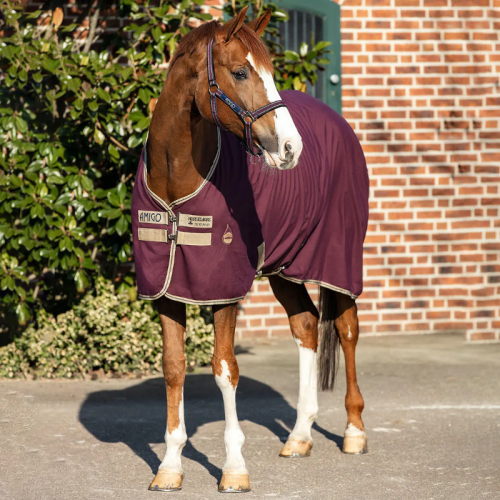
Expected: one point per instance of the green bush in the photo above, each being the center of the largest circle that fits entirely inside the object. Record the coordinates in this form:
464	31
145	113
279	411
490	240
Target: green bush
73	118
72	124
105	332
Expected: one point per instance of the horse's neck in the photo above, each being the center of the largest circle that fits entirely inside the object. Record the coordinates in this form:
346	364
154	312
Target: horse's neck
181	145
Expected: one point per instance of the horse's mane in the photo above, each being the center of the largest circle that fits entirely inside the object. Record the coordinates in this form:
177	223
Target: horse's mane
203	33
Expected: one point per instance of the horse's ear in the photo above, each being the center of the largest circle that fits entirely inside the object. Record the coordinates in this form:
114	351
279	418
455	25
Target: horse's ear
233	26
260	24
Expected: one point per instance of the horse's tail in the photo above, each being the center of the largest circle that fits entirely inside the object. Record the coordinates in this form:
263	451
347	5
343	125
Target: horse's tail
329	340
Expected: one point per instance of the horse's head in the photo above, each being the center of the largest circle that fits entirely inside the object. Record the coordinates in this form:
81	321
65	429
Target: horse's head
244	72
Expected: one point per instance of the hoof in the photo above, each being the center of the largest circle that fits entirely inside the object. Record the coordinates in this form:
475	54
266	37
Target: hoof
296	449
166	481
355	445
234	483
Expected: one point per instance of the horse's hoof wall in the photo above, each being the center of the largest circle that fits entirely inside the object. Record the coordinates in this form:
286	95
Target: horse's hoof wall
296	449
166	481
234	483
355	445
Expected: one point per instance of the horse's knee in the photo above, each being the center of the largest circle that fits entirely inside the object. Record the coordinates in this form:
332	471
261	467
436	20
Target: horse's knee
305	329
174	371
226	371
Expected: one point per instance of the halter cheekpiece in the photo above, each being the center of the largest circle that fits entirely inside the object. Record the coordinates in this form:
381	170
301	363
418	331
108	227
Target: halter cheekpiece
247	117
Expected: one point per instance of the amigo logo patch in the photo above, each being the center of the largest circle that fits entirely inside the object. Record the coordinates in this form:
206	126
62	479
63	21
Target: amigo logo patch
187	220
153	217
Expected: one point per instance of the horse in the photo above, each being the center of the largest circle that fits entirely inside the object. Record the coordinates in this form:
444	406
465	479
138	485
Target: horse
280	191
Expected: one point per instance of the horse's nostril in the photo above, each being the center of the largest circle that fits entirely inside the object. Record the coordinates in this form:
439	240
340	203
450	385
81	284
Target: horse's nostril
288	146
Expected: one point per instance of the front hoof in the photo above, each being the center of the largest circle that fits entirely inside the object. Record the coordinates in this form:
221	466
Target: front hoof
234	483
166	481
296	449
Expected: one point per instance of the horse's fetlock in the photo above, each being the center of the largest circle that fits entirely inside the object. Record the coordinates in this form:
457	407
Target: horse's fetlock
234	437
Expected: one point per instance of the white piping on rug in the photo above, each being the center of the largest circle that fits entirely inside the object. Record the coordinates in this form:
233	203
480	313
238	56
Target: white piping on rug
174	224
207	178
202	302
321	283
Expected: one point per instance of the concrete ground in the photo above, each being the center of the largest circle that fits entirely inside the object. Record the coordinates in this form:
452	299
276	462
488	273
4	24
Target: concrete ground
432	413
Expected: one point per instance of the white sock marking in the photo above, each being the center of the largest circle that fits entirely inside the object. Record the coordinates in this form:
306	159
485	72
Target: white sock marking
233	436
175	443
307	406
352	431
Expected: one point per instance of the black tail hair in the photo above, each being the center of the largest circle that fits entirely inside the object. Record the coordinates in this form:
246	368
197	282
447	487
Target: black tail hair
329	340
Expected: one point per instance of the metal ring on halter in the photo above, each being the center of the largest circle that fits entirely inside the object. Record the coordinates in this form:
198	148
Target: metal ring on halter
210	88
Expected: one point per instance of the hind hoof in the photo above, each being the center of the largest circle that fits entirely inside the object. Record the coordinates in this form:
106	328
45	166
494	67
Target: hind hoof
234	483
355	441
296	449
166	481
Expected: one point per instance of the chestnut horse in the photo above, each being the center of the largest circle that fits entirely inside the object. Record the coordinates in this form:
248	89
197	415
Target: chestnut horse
182	144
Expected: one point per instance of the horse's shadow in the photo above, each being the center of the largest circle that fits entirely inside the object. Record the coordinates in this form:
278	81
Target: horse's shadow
136	415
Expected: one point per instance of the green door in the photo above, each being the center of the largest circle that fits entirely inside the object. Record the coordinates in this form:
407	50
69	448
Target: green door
320	18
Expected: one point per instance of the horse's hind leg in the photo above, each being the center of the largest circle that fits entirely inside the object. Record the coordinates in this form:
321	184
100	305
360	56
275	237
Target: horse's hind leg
225	369
303	318
173	322
346	324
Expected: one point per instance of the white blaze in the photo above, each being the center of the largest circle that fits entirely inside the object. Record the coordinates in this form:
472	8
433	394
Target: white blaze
286	130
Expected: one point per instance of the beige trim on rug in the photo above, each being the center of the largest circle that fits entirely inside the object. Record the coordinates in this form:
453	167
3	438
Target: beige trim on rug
203	302
320	283
261	250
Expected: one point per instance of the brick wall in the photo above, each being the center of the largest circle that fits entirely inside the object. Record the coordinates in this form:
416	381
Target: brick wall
421	89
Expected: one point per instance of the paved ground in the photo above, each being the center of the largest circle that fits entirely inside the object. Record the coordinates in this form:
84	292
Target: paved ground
432	416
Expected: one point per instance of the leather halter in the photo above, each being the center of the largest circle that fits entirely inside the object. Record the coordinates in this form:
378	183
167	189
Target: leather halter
247	117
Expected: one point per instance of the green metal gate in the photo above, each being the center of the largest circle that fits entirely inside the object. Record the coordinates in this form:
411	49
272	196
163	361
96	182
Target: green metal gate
320	18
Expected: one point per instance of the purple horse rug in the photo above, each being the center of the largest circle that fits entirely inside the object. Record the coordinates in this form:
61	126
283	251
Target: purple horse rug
306	224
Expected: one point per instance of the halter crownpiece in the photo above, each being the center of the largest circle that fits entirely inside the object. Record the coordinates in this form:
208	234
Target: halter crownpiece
247	117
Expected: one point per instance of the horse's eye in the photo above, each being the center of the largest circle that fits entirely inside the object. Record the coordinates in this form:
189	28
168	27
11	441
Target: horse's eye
240	74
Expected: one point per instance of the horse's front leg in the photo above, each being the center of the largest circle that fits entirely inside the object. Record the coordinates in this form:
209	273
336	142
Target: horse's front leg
303	317
226	373
173	322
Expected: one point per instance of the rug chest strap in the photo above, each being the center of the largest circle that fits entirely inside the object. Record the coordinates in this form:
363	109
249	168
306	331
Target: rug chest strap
182	237
148	234
194	239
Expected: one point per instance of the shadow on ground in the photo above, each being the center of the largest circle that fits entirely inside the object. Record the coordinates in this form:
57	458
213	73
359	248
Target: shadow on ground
136	415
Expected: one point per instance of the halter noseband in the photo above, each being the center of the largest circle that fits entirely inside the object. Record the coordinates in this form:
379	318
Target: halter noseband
247	117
